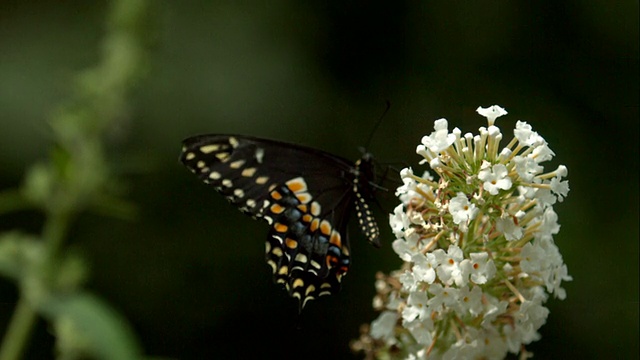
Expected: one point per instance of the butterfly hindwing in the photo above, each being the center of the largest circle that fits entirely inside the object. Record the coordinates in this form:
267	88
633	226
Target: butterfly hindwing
306	253
305	195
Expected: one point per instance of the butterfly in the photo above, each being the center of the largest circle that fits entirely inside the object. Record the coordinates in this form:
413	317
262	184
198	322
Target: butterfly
305	195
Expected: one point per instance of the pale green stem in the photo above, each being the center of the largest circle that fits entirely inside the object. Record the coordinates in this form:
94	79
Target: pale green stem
25	315
19	330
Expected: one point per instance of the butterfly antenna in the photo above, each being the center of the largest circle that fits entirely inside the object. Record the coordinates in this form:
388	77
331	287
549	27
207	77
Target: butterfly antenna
377	125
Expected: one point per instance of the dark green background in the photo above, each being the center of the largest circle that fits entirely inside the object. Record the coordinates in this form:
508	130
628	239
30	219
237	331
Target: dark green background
189	273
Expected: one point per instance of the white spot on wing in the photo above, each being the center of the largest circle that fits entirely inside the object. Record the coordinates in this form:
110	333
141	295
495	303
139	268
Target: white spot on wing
259	155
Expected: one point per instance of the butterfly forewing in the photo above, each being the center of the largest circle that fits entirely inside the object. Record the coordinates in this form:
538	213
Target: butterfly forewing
304	194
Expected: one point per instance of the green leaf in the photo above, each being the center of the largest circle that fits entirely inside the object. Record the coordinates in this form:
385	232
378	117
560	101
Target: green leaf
17	254
38	184
86	326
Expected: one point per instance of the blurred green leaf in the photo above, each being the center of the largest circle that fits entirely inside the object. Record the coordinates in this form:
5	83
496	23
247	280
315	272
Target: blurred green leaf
86	326
22	258
18	252
38	184
71	273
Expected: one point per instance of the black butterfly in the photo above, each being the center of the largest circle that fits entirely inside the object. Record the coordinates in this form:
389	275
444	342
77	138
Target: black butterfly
305	195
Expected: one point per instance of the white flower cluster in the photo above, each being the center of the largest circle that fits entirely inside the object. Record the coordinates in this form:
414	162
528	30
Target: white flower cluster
478	247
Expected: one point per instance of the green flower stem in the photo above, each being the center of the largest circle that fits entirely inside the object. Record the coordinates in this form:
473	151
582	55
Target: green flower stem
25	315
54	233
19	330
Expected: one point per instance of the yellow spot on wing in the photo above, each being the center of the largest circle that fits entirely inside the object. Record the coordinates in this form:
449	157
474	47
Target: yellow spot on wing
273	265
301	258
222	156
248	172
206	149
306	300
315	208
309	290
233	141
237	164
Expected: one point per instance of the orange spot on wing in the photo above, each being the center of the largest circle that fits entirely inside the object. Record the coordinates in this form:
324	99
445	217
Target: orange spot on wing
291	244
280	227
304	197
314	225
336	239
331	261
325	227
296	185
276	209
276	195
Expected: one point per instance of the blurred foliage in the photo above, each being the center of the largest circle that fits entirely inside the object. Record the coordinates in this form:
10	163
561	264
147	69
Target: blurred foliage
74	177
189	273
